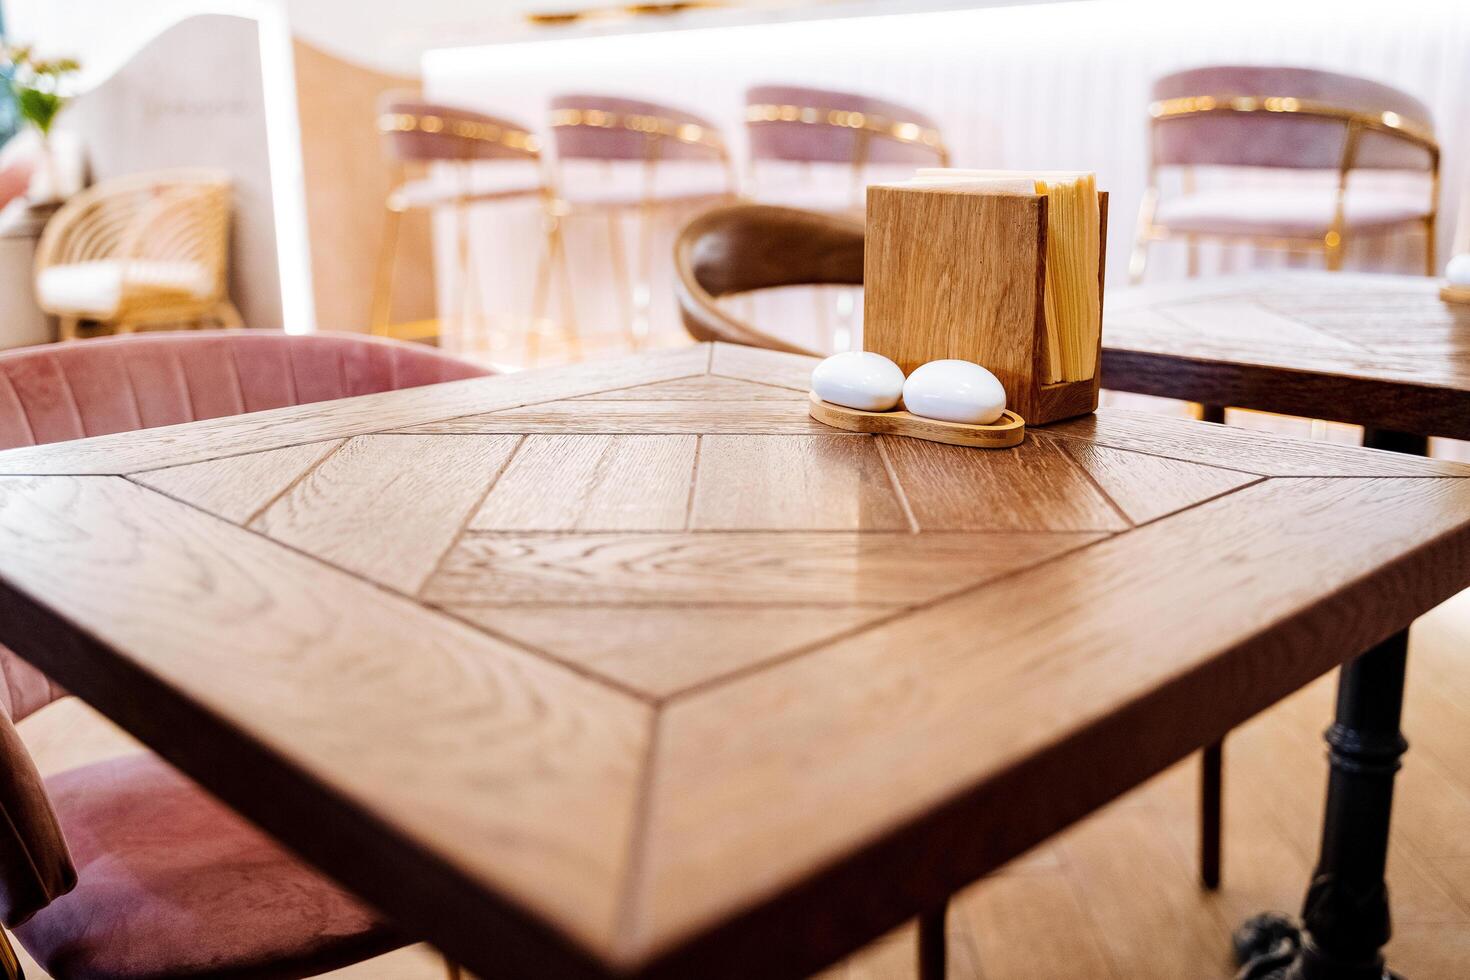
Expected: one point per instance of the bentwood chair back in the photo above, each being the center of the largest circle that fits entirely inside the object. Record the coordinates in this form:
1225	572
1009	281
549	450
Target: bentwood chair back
749	247
146	249
1287	119
795	124
125	868
650	159
449	157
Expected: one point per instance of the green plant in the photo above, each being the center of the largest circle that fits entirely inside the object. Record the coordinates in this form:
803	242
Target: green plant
38	85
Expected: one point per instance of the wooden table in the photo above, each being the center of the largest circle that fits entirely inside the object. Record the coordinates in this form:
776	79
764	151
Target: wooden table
633	669
1381	351
1384	352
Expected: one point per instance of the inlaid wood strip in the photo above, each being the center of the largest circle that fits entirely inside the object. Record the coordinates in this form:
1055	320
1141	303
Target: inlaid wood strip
344	719
1245	450
778	568
193	442
769	367
798	483
762	416
592	483
705	388
387	507
662	650
239	487
1031	487
1147	487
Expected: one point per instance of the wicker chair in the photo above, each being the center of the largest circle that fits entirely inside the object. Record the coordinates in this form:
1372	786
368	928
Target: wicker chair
147	249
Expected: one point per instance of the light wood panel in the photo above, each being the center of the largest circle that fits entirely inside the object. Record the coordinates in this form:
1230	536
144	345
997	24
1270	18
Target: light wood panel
1032	487
756	416
1145	487
791	568
662	650
410	716
794	483
592	483
414	493
239	487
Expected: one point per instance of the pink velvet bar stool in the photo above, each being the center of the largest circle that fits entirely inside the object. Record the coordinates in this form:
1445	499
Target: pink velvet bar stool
125	869
792	125
617	157
452	159
1225	118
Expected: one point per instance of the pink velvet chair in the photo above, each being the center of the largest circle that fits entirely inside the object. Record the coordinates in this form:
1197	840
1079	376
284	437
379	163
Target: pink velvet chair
791	124
1287	119
618	156
124	869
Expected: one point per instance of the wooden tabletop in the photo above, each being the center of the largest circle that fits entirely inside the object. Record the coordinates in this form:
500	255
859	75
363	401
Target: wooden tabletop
1382	351
632	668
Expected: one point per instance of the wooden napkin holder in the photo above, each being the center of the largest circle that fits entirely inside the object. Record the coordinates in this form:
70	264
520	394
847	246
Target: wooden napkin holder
955	273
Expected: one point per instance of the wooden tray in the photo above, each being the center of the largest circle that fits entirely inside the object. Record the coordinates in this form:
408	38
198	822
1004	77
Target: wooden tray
1455	294
1001	435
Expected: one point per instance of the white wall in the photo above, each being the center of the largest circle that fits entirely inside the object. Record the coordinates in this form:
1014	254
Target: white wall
246	90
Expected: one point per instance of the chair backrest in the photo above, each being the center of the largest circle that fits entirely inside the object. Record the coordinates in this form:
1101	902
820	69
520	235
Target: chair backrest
1301	118
138	381
604	127
417	131
755	246
179	215
788	122
68	391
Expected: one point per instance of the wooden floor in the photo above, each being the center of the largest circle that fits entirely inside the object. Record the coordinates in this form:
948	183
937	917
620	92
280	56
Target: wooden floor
1115	897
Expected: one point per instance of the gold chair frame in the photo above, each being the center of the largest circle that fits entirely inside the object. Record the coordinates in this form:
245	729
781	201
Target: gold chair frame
528	146
656	129
162	216
1332	244
868	126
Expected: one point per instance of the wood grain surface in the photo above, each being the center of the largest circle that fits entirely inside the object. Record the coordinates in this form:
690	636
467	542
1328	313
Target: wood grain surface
579	693
1381	351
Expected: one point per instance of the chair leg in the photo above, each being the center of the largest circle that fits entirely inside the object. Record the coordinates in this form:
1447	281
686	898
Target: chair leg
1138	261
540	295
933	951
1335	248
382	308
621	280
1212	761
9	963
1192	244
228	316
66	327
570	335
1430	265
1212	413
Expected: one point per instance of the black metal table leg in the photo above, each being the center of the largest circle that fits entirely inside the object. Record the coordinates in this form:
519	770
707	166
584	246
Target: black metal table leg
932	947
1212	761
1345	919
